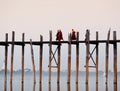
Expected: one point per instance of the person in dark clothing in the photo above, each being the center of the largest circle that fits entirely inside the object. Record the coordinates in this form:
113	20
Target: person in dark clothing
73	35
59	36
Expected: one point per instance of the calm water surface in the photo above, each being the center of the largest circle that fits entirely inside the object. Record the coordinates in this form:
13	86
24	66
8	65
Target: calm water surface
28	84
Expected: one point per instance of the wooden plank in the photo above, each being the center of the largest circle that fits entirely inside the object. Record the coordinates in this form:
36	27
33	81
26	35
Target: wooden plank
33	64
12	56
107	57
115	58
23	57
69	59
40	65
77	58
97	58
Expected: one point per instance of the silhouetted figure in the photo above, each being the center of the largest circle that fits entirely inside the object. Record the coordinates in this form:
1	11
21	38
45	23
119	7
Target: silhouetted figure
73	35
59	36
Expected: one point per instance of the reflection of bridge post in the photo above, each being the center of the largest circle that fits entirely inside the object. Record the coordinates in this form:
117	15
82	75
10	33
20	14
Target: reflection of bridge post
115	87
87	87
68	87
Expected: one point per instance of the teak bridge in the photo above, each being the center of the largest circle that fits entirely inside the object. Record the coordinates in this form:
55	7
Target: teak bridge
70	42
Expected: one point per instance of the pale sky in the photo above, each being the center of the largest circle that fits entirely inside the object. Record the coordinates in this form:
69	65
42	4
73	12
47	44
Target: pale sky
35	17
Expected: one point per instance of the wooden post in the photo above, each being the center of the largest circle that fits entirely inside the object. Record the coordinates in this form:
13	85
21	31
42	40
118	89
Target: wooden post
58	65
96	87
50	50
115	58
87	55
107	57
69	59
23	58
6	54
97	58
33	65
41	51
77	58
49	88
12	55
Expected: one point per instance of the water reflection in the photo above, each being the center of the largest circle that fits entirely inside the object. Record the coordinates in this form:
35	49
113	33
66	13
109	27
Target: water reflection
96	87
22	86
68	87
106	87
49	87
115	87
40	87
11	86
87	87
5	86
34	84
58	87
77	89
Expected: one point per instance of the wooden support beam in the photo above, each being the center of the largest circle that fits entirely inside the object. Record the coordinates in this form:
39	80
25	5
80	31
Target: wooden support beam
96	58
69	59
77	87
87	54
50	50
23	39
33	64
115	58
12	56
68	87
107	57
58	65
6	55
77	58
41	51
40	87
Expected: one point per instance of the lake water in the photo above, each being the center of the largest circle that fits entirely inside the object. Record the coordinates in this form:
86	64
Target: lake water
62	86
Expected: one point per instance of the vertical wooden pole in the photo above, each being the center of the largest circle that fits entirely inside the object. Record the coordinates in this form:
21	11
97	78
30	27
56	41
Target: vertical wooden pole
41	50
77	58
5	65
33	64
115	58
69	59
34	86
107	57
87	87
50	50
23	58
40	86
12	55
87	55
58	65
97	58
6	54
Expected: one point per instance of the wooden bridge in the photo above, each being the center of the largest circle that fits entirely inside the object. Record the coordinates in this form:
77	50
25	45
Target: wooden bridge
52	53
